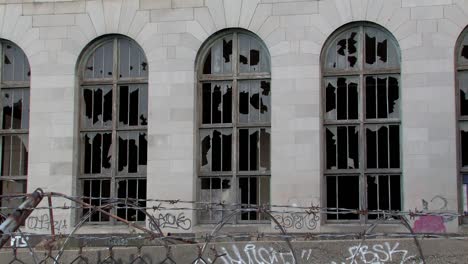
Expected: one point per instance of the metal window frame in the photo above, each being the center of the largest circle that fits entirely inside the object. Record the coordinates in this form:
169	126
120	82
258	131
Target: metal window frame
13	85
235	125
115	82
361	72
460	68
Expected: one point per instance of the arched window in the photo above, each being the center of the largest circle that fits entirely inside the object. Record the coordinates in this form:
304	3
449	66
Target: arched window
113	124
462	112
14	89
234	113
361	117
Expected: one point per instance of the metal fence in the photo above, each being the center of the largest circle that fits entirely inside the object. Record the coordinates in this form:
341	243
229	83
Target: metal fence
51	247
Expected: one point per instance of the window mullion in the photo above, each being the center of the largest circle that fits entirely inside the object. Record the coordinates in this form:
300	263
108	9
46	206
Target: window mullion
362	157
114	126
234	120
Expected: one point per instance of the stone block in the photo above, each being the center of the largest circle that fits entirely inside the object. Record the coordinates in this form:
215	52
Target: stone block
155	4
427	12
295	8
53	20
178	14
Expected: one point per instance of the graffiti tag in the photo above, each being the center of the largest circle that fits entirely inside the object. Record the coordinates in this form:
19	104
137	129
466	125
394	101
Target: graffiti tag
379	253
43	223
171	221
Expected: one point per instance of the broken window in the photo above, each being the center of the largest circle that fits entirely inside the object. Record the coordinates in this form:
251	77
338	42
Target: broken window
217	102
219	57
133	191
234	119
254	101
342	193
96	193
462	93
114	119
100	63
361	89
381	52
14	139
463	50
132	62
215	190
344	51
383	193
252	55
97	107
382	97
342	144
342	98
383	146
465	194
254	191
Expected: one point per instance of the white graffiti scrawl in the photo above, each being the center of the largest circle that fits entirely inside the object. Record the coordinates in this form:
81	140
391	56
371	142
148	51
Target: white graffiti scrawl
252	254
378	254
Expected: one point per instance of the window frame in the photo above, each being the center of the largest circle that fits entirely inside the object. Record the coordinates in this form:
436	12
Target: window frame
360	72
459	69
115	83
234	77
15	85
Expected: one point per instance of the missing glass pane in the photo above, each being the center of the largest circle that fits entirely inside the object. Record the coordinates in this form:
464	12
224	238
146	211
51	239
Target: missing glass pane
97	193
383	194
253	193
342	193
216	150
342	147
14	155
383	146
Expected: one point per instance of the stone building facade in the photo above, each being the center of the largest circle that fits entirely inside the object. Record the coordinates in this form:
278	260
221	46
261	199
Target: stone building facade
422	40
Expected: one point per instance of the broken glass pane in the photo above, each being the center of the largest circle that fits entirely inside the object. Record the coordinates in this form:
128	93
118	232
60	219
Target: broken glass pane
216	150
345	51
463	86
464	143
132	189
219	57
15	108
254	149
381	50
383	193
342	147
214	190
254	101
132	60
463	57
100	63
382	97
342	192
383	146
465	194
342	98
15	64
98	192
252	55
253	192
14	155
9	187
133	105
97	154
132	152
97	107
216	102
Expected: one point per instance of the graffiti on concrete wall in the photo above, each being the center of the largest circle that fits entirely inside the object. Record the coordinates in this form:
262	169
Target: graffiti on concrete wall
172	221
254	254
386	252
433	223
299	220
42	222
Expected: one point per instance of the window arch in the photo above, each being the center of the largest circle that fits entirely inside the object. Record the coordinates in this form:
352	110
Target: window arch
14	132
462	113
113	124
234	121
361	119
